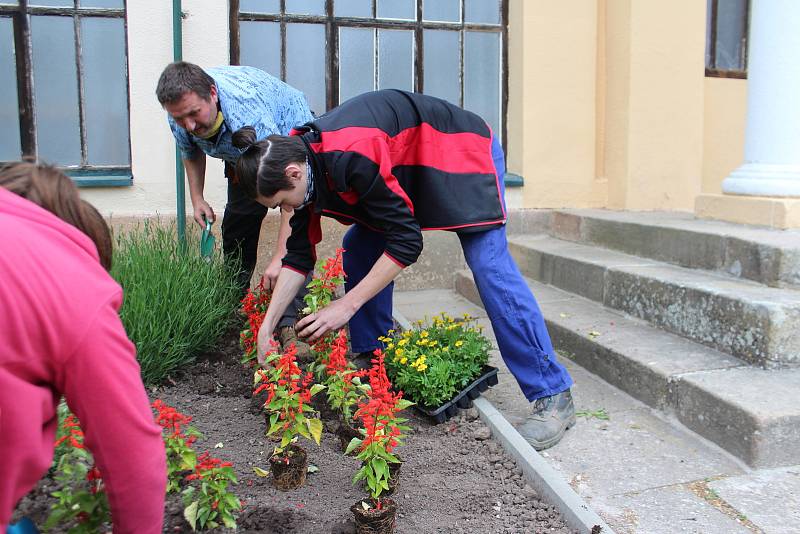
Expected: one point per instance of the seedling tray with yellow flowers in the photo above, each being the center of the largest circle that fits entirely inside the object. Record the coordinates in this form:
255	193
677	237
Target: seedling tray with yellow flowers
440	364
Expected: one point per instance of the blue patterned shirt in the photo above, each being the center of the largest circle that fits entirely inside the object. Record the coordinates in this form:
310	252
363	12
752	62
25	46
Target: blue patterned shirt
247	97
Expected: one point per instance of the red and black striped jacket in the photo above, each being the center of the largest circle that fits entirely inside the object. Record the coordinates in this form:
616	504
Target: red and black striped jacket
397	162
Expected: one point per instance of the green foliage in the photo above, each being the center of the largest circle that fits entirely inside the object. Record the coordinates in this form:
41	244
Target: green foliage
177	304
434	361
208	502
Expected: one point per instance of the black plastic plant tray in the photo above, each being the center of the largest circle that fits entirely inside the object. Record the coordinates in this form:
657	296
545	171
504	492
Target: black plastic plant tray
463	399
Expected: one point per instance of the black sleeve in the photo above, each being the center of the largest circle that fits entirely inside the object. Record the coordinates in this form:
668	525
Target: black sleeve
301	245
366	170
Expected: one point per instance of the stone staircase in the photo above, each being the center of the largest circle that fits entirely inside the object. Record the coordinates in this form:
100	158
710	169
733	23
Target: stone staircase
698	319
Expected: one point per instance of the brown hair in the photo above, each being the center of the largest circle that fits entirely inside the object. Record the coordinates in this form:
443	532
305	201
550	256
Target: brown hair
180	78
261	167
49	188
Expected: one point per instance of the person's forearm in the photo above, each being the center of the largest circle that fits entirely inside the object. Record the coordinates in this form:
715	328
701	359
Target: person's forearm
284	231
288	284
196	176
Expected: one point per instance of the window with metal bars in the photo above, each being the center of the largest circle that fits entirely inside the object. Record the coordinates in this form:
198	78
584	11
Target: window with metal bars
69	105
335	49
726	38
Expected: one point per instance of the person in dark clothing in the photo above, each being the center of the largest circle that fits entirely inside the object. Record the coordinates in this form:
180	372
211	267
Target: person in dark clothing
392	164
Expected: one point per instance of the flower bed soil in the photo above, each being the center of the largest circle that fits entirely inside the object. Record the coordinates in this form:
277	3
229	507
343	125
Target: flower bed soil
455	478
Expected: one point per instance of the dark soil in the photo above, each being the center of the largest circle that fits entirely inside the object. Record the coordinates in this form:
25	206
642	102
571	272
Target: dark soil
455	478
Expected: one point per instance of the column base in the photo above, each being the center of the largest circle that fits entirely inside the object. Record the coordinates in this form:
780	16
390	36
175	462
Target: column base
782	213
764	179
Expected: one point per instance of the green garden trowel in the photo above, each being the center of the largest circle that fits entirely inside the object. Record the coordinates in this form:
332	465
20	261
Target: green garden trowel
207	242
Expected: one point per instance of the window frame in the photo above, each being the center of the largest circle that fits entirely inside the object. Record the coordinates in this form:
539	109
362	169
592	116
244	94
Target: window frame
712	71
333	23
84	174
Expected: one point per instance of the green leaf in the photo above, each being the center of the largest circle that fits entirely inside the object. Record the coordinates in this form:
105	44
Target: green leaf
316	388
355	442
312	468
229	521
260	472
190	514
315	427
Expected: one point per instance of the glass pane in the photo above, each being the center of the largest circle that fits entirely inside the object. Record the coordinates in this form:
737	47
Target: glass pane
356	62
305	62
397	9
396	59
441	65
105	91
259	6
55	90
9	2
442	10
731	15
486	11
52	3
9	111
709	22
353	8
482	76
260	45
306	7
115	4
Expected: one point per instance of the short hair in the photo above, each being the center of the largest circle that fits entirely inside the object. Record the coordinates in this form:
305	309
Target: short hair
180	78
49	188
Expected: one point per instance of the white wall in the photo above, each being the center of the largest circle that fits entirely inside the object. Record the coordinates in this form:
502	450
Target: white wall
205	42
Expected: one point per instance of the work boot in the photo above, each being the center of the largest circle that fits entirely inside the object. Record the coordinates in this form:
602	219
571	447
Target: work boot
287	336
551	417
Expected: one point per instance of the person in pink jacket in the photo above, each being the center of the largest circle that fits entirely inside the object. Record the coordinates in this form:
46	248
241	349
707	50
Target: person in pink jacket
60	334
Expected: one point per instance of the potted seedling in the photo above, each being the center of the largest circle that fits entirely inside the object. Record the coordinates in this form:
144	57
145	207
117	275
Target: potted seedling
383	431
291	415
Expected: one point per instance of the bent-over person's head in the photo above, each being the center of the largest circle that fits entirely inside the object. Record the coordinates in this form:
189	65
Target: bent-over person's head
273	170
189	95
49	188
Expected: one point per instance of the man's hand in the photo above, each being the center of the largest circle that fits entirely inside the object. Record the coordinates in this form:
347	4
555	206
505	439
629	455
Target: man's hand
203	209
271	273
266	344
333	316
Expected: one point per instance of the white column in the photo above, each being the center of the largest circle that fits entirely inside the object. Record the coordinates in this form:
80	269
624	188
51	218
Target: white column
772	136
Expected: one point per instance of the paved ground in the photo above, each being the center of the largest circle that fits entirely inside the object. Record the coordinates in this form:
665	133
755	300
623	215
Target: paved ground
642	472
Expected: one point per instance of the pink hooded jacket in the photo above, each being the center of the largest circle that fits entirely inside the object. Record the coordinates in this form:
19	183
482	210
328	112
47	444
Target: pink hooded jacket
60	333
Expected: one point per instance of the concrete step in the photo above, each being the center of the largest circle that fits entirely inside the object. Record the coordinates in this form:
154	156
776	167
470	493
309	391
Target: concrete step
750	412
758	324
765	255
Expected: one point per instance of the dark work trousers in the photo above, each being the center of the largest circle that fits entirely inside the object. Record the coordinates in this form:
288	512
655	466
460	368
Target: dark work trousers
516	319
241	227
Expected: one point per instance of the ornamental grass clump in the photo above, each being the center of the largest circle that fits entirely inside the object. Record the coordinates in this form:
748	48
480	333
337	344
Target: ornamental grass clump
177	304
434	361
383	431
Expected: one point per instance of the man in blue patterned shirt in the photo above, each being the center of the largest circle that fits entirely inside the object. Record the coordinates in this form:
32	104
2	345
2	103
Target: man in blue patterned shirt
205	107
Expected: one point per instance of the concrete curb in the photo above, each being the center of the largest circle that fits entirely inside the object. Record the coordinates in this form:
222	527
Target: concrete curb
543	478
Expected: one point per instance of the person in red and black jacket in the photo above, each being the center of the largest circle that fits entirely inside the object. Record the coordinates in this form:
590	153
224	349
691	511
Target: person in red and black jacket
392	164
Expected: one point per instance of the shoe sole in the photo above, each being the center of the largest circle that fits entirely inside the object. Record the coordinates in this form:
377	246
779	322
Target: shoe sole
542	445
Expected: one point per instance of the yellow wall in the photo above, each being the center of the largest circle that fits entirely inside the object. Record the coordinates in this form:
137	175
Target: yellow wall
725	119
552	61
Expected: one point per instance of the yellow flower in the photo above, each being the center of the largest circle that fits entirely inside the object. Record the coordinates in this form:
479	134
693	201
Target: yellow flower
459	343
391	331
446	349
403	360
422	367
402	342
399	352
390	346
424	333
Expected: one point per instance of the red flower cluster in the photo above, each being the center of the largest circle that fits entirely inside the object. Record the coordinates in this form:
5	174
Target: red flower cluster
332	271
336	362
172	421
72	432
254	307
379	411
288	383
206	466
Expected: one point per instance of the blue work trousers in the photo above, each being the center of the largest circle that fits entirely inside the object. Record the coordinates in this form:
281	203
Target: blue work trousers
516	319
